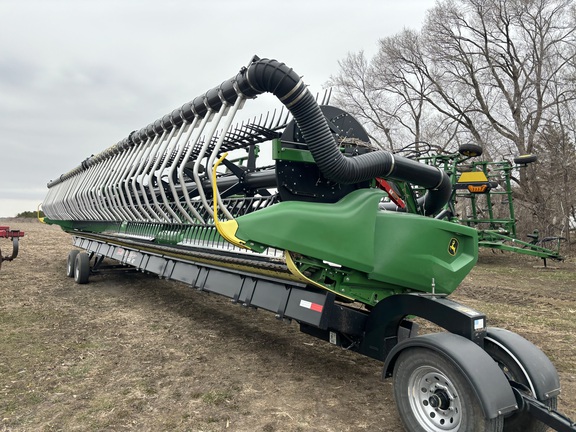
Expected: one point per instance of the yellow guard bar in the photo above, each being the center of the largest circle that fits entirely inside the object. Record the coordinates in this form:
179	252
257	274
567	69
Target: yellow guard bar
226	229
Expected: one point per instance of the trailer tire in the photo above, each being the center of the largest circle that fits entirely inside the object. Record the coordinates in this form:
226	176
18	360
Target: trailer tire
520	421
71	262
82	268
433	395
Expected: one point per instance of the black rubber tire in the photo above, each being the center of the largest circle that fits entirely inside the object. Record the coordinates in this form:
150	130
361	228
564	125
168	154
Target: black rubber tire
520	421
82	268
71	262
422	377
470	150
525	159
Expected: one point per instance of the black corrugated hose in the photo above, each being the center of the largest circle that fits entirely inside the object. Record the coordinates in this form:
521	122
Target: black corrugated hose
265	75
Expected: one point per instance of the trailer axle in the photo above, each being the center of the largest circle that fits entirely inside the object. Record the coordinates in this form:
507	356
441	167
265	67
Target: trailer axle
540	411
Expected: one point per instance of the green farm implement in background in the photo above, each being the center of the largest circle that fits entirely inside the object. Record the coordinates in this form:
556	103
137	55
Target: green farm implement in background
482	198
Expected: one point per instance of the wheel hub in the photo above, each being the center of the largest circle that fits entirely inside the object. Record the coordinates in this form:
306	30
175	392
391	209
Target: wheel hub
434	400
440	399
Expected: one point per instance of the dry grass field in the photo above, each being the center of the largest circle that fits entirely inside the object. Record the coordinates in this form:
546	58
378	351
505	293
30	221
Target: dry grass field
131	352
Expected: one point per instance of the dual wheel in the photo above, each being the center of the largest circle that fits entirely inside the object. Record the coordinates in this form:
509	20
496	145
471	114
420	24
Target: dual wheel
433	395
78	266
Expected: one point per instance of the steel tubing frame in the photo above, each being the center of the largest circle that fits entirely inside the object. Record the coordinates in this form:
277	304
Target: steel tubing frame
146	181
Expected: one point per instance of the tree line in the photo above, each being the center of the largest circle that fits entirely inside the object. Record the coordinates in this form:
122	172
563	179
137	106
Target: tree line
497	73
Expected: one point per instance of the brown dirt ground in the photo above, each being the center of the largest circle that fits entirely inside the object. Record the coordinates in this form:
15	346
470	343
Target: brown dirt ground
131	352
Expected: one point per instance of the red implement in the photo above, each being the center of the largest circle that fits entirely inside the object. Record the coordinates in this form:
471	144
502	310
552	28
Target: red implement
6	232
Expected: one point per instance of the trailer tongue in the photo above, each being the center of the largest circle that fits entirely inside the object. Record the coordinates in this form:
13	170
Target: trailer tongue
311	236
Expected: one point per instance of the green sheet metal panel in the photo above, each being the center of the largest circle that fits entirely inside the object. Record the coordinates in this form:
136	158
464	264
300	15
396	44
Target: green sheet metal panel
342	233
416	252
397	249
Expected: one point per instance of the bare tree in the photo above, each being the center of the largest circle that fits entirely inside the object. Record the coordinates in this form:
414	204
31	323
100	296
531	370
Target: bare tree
355	91
398	73
498	64
555	171
388	94
493	72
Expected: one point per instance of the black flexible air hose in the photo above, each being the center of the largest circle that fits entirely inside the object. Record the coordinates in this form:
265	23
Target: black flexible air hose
277	78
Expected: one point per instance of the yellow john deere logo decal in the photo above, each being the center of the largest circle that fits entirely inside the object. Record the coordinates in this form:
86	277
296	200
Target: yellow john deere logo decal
453	246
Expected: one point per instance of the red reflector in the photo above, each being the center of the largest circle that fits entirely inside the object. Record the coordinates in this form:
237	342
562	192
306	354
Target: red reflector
312	306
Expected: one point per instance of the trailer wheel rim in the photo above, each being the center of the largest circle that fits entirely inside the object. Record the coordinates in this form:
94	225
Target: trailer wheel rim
434	400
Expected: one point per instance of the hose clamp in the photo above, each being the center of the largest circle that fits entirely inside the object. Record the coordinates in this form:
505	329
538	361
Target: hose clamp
296	88
392	165
249	81
441	179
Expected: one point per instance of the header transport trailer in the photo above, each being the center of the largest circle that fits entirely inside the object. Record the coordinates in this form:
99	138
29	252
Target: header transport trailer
316	234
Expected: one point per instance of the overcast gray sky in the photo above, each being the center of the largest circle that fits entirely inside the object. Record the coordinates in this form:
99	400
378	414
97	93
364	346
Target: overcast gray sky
77	76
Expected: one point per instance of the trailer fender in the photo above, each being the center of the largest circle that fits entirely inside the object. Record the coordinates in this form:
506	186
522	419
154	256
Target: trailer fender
485	377
539	371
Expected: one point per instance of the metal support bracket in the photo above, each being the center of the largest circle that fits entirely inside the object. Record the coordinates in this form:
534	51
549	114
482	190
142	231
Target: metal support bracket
385	319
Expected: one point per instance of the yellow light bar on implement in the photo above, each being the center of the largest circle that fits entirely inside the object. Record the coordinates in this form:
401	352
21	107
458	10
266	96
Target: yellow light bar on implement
473	177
